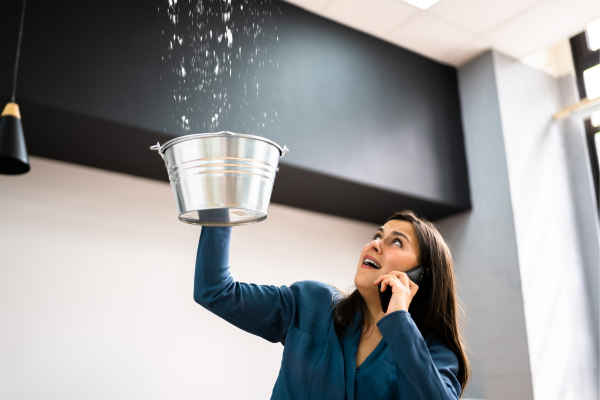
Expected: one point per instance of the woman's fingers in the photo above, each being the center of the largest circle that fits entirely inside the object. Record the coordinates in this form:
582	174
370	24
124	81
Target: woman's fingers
382	279
399	276
387	280
403	290
410	285
404	279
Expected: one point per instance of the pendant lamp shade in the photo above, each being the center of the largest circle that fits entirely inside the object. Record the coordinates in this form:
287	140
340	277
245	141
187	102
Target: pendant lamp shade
13	151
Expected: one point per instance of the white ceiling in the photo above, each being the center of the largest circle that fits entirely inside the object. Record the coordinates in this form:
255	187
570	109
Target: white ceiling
455	31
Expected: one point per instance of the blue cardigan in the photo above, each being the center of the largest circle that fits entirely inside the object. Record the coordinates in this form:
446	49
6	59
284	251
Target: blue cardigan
318	363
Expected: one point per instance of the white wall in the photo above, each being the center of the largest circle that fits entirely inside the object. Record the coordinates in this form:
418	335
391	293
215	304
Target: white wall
557	302
96	282
485	248
527	254
583	195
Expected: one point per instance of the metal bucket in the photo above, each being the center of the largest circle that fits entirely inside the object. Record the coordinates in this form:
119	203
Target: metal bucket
221	179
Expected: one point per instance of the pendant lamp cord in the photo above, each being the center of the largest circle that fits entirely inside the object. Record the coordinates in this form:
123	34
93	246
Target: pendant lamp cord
18	53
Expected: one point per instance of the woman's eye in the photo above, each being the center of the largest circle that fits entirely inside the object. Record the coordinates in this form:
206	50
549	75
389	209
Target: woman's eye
398	242
376	237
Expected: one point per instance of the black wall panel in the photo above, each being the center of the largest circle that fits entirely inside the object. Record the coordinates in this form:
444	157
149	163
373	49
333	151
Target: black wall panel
370	126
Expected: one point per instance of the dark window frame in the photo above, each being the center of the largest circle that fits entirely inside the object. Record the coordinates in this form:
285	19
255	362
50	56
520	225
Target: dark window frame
583	59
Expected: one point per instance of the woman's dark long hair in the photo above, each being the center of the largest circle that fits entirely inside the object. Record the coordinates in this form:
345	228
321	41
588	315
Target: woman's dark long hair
435	308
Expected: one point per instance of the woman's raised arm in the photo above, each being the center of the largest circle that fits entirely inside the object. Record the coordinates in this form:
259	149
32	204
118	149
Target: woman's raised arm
262	310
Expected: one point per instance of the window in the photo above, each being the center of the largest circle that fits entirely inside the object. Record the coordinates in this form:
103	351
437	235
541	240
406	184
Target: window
587	67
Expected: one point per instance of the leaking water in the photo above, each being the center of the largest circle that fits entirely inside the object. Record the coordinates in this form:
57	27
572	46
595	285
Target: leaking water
218	54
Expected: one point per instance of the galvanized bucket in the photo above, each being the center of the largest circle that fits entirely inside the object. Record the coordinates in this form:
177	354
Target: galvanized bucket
221	179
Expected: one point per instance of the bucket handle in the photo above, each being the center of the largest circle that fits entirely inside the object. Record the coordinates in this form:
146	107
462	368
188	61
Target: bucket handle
159	149
283	151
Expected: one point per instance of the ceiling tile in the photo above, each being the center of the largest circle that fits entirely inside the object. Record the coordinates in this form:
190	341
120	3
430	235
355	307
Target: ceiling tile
312	5
429	36
590	7
466	51
373	16
480	15
453	31
538	27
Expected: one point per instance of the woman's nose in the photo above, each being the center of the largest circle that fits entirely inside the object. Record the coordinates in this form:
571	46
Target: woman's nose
375	245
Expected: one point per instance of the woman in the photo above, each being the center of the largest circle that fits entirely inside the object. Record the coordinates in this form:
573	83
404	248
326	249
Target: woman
346	347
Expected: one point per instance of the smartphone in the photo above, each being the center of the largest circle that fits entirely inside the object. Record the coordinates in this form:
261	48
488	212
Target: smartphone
415	275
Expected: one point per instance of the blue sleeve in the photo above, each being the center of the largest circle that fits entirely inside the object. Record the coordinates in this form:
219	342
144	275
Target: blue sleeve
262	310
429	365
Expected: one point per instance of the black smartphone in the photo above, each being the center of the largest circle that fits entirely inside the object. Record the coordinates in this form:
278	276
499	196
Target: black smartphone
415	275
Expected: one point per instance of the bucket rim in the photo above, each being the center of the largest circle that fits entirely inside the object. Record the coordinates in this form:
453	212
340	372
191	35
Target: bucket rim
172	142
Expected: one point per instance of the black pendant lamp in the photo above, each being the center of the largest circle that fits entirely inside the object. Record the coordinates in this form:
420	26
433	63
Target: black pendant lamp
13	151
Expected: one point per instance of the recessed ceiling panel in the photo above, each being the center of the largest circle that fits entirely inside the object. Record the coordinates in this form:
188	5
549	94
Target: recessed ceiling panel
430	36
376	17
514	27
481	15
537	28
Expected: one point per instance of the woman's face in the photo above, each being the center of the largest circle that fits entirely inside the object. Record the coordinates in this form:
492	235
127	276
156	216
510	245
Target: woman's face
394	247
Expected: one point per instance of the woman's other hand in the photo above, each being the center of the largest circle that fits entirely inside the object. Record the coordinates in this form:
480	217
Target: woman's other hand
403	290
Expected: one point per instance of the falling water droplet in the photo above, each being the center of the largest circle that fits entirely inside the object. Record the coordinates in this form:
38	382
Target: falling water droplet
200	64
